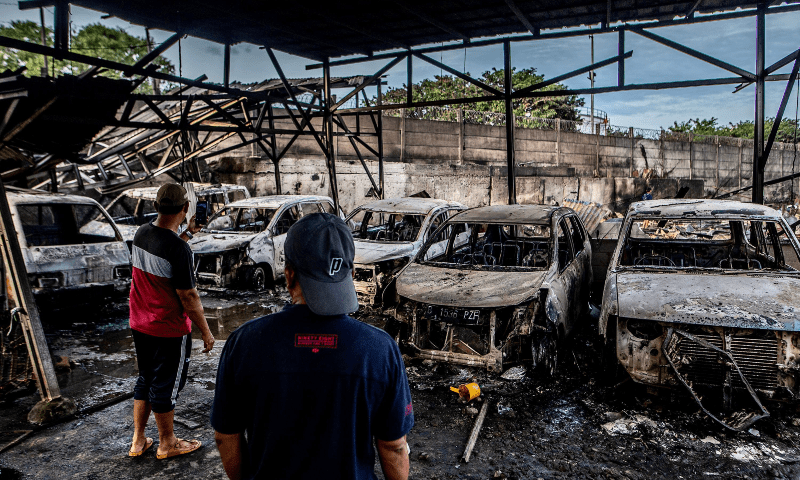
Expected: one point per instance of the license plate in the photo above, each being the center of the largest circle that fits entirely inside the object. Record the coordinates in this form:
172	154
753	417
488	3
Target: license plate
456	315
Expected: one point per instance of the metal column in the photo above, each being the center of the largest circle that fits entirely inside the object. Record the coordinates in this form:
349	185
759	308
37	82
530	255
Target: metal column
510	161
328	127
380	143
758	137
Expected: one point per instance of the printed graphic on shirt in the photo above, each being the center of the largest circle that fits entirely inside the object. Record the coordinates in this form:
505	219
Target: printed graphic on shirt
315	341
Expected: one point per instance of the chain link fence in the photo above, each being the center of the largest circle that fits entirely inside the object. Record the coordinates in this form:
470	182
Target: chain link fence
474	117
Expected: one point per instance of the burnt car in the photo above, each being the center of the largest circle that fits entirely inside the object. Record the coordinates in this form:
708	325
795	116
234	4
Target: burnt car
700	294
388	234
71	257
134	207
242	244
510	285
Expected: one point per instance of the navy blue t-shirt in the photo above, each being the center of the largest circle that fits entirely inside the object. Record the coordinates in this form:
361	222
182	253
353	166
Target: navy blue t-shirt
311	392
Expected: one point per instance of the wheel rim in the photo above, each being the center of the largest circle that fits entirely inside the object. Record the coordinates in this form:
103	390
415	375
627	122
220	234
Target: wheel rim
258	279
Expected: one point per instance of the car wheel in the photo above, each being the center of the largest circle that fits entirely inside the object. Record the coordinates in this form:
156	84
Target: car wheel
544	350
257	279
611	369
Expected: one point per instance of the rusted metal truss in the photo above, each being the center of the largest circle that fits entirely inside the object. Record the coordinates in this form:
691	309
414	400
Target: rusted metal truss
155	134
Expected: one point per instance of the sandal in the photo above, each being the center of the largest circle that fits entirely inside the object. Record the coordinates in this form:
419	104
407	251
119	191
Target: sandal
148	442
175	450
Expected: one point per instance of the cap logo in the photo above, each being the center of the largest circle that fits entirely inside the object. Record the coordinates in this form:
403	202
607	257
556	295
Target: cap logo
336	265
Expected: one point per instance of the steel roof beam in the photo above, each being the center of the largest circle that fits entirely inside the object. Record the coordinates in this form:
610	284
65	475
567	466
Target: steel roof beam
691	11
436	23
565	34
368	82
458	74
77	57
524	91
521	17
694	53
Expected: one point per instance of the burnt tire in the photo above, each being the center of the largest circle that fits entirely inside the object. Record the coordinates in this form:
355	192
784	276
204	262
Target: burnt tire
256	279
544	350
611	371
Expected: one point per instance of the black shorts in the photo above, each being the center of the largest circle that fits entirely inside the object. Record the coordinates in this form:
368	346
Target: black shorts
163	364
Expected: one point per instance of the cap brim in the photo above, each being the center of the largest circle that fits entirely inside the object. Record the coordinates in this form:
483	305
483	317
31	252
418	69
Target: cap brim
329	298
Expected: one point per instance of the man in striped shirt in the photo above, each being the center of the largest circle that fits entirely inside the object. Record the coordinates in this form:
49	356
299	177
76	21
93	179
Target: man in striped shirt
163	305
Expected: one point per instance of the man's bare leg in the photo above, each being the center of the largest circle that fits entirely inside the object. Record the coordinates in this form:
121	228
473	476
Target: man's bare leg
166	432
141	413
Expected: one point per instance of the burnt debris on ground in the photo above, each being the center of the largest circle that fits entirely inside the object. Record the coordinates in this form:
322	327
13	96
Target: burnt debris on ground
576	425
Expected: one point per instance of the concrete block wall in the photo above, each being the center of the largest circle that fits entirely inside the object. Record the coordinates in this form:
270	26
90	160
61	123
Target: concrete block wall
722	164
473	185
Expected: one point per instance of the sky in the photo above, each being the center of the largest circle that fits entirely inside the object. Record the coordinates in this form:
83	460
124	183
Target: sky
732	41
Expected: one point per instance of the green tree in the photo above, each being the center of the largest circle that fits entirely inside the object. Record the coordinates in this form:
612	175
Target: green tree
527	110
95	40
788	131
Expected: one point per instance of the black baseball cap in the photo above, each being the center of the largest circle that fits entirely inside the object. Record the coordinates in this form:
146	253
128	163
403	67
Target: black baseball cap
320	248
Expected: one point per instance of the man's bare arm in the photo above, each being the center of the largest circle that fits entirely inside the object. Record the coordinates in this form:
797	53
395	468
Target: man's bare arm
394	458
190	300
230	451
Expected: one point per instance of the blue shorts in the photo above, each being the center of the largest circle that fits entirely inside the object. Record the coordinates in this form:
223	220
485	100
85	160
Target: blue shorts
163	364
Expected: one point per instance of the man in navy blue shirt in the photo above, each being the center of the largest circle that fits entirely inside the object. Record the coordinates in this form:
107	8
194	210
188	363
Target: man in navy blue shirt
303	392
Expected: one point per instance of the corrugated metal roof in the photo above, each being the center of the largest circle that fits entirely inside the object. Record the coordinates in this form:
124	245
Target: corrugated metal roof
318	30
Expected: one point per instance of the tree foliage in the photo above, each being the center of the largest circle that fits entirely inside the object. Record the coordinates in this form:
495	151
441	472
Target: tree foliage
787	131
95	40
446	87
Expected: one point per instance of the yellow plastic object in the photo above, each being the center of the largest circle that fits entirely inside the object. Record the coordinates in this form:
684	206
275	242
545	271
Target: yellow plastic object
468	391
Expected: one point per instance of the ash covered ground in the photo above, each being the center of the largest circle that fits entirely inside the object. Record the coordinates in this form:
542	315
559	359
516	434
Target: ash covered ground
575	426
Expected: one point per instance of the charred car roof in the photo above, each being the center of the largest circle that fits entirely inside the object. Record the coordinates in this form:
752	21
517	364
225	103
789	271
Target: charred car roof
149	193
540	214
701	208
407	205
275	201
16	198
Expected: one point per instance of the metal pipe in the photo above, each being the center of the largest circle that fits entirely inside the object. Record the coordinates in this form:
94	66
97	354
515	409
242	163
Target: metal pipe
758	137
328	118
510	161
381	194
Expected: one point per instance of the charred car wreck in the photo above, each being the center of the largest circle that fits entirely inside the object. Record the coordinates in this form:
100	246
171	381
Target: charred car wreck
134	207
510	284
72	249
388	234
700	294
242	244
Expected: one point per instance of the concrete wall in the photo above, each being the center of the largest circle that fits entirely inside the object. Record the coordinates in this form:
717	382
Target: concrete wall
473	185
563	158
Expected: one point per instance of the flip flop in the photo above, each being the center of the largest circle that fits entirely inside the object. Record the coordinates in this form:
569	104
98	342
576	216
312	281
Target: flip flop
147	444
175	451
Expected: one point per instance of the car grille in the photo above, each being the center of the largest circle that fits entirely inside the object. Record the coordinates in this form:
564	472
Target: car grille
756	357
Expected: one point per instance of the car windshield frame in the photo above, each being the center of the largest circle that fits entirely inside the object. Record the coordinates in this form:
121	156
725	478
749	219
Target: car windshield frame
54	235
236	227
744	250
391	231
509	251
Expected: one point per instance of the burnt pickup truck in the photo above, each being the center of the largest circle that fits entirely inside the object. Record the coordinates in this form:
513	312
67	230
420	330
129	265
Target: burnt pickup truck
511	284
702	295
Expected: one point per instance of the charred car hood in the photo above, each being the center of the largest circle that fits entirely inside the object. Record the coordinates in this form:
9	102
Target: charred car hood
739	301
219	242
468	288
375	252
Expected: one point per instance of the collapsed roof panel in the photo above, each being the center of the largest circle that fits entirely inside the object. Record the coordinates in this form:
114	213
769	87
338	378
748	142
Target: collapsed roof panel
333	29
